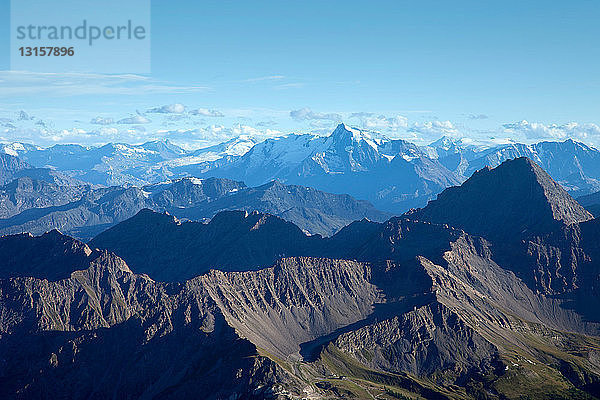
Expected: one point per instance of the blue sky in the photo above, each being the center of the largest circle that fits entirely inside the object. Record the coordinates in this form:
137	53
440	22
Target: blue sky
409	69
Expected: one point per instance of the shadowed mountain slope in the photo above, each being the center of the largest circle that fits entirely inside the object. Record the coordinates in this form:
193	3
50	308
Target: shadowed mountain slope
165	249
516	198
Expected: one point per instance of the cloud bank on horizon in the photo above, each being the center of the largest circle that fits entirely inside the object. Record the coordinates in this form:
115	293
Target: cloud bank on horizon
197	127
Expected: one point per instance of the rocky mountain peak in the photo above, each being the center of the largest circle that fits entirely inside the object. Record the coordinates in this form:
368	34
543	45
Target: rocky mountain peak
51	256
148	218
346	134
515	198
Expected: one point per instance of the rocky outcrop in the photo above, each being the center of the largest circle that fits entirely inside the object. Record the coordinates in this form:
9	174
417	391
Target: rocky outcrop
296	301
429	339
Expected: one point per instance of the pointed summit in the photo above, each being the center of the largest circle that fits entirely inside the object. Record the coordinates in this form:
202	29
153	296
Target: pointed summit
164	147
345	133
516	198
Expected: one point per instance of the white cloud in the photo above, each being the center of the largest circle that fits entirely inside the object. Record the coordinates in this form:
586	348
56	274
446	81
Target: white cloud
134	119
537	131
291	85
478	116
306	114
214	134
207	113
370	121
23	83
176	108
106	131
264	78
435	128
102	121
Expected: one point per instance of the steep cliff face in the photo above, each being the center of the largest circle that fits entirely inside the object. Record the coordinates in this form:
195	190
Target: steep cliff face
530	220
429	339
296	301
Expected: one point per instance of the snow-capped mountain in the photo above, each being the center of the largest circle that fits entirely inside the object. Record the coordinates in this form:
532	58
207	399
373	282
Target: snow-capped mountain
200	160
16	149
113	163
126	164
394	174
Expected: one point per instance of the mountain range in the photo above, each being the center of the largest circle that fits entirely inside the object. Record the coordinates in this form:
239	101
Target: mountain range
36	206
488	292
394	175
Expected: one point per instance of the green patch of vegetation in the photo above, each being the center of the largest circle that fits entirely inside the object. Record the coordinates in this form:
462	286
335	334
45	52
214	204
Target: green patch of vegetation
402	384
343	389
526	379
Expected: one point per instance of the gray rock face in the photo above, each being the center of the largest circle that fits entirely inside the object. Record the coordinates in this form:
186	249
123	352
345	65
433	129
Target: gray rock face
26	193
9	165
529	218
429	339
296	301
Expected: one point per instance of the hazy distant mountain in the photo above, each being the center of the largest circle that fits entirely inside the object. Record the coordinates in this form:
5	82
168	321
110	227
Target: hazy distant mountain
12	167
312	210
118	164
591	202
24	193
9	165
574	165
112	164
29	205
394	174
